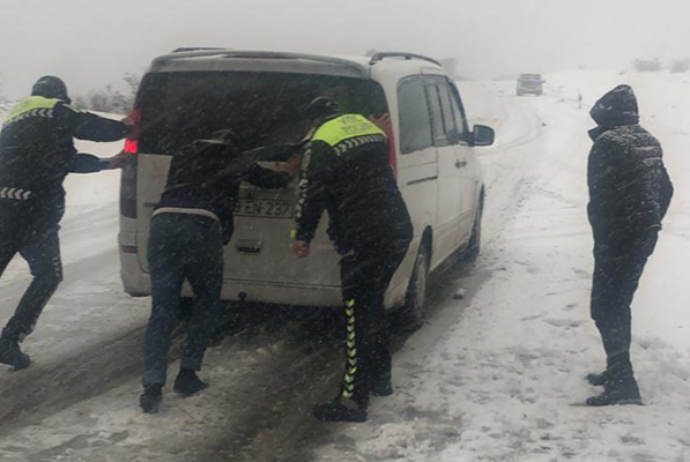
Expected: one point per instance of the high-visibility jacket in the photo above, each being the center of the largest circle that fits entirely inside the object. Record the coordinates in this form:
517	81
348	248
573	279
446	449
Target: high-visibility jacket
37	144
346	171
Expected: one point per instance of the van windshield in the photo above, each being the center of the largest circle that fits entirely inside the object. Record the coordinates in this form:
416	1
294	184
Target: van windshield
530	77
263	108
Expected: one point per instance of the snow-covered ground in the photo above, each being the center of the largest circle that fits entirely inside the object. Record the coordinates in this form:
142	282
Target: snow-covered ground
502	381
495	377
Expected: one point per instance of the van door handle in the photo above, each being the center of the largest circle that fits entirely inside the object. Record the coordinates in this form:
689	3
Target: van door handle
460	164
249	246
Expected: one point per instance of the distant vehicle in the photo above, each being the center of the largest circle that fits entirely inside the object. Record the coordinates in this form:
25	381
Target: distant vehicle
530	84
187	95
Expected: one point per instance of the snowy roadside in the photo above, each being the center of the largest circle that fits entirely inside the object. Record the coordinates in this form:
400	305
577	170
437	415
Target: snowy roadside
500	382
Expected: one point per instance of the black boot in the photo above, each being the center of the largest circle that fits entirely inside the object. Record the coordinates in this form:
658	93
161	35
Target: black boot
598	380
188	383
151	399
342	409
383	386
12	355
618	392
620	386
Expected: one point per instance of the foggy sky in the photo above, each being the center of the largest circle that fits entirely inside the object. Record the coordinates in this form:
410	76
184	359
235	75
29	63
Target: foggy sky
91	43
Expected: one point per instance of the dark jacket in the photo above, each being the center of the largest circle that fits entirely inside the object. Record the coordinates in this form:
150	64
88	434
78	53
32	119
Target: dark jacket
346	171
629	187
37	144
207	176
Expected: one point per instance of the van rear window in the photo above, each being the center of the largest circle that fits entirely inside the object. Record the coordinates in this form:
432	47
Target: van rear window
263	108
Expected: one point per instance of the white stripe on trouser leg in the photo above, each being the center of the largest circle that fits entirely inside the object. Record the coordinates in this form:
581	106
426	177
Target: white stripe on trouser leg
349	381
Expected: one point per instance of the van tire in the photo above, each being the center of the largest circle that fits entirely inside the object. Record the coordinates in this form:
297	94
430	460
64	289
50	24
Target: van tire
475	244
415	299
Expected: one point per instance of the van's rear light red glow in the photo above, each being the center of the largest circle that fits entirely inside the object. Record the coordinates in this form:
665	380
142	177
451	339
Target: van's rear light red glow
132	146
128	183
132	143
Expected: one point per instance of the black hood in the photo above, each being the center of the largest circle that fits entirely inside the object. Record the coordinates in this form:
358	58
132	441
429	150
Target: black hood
617	107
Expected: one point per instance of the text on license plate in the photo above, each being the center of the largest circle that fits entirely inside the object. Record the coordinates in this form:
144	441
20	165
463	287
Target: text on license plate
263	208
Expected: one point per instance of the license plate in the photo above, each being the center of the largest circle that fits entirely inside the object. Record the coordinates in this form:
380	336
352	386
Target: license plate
264	208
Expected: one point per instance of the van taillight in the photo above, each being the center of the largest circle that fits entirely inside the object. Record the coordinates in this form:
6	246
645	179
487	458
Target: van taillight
128	181
132	146
132	143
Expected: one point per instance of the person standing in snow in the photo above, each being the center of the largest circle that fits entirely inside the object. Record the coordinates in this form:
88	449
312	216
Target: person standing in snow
346	170
190	225
630	191
36	154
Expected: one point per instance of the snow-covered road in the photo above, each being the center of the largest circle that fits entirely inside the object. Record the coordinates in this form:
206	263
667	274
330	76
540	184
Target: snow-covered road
503	382
489	378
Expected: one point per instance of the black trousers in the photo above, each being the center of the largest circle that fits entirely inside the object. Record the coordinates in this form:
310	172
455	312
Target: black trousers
31	228
366	273
181	247
620	259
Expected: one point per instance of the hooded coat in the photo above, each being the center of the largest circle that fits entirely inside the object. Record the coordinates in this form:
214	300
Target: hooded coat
629	187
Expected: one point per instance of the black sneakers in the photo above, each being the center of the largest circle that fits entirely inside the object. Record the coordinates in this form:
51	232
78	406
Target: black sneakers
188	383
151	399
341	409
12	355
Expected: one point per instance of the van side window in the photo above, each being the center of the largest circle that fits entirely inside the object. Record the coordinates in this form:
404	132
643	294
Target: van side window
437	116
458	111
447	115
415	126
450	116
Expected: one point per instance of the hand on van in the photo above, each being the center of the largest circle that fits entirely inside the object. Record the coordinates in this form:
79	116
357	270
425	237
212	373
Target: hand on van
291	166
301	249
118	161
383	122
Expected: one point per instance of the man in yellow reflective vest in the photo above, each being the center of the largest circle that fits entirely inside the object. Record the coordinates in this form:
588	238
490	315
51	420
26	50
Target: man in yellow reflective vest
36	154
346	170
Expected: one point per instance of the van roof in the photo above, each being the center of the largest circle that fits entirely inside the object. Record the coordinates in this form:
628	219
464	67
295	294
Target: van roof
219	59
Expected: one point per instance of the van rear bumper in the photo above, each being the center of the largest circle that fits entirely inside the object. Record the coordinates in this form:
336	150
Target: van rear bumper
279	293
138	284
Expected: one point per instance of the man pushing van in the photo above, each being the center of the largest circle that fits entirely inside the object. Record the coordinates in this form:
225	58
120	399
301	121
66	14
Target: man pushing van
346	171
36	154
190	225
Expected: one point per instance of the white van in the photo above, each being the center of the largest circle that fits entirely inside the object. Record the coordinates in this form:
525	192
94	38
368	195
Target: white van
189	94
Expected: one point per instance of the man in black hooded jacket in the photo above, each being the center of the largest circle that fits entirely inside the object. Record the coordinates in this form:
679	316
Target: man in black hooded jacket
630	192
190	225
36	154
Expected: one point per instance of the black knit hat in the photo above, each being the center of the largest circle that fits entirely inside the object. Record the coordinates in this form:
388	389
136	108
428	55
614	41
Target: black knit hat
50	86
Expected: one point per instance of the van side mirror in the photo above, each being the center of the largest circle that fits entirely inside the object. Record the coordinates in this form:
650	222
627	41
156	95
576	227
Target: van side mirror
483	135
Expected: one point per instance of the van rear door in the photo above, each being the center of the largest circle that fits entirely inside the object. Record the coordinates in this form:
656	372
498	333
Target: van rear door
264	108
